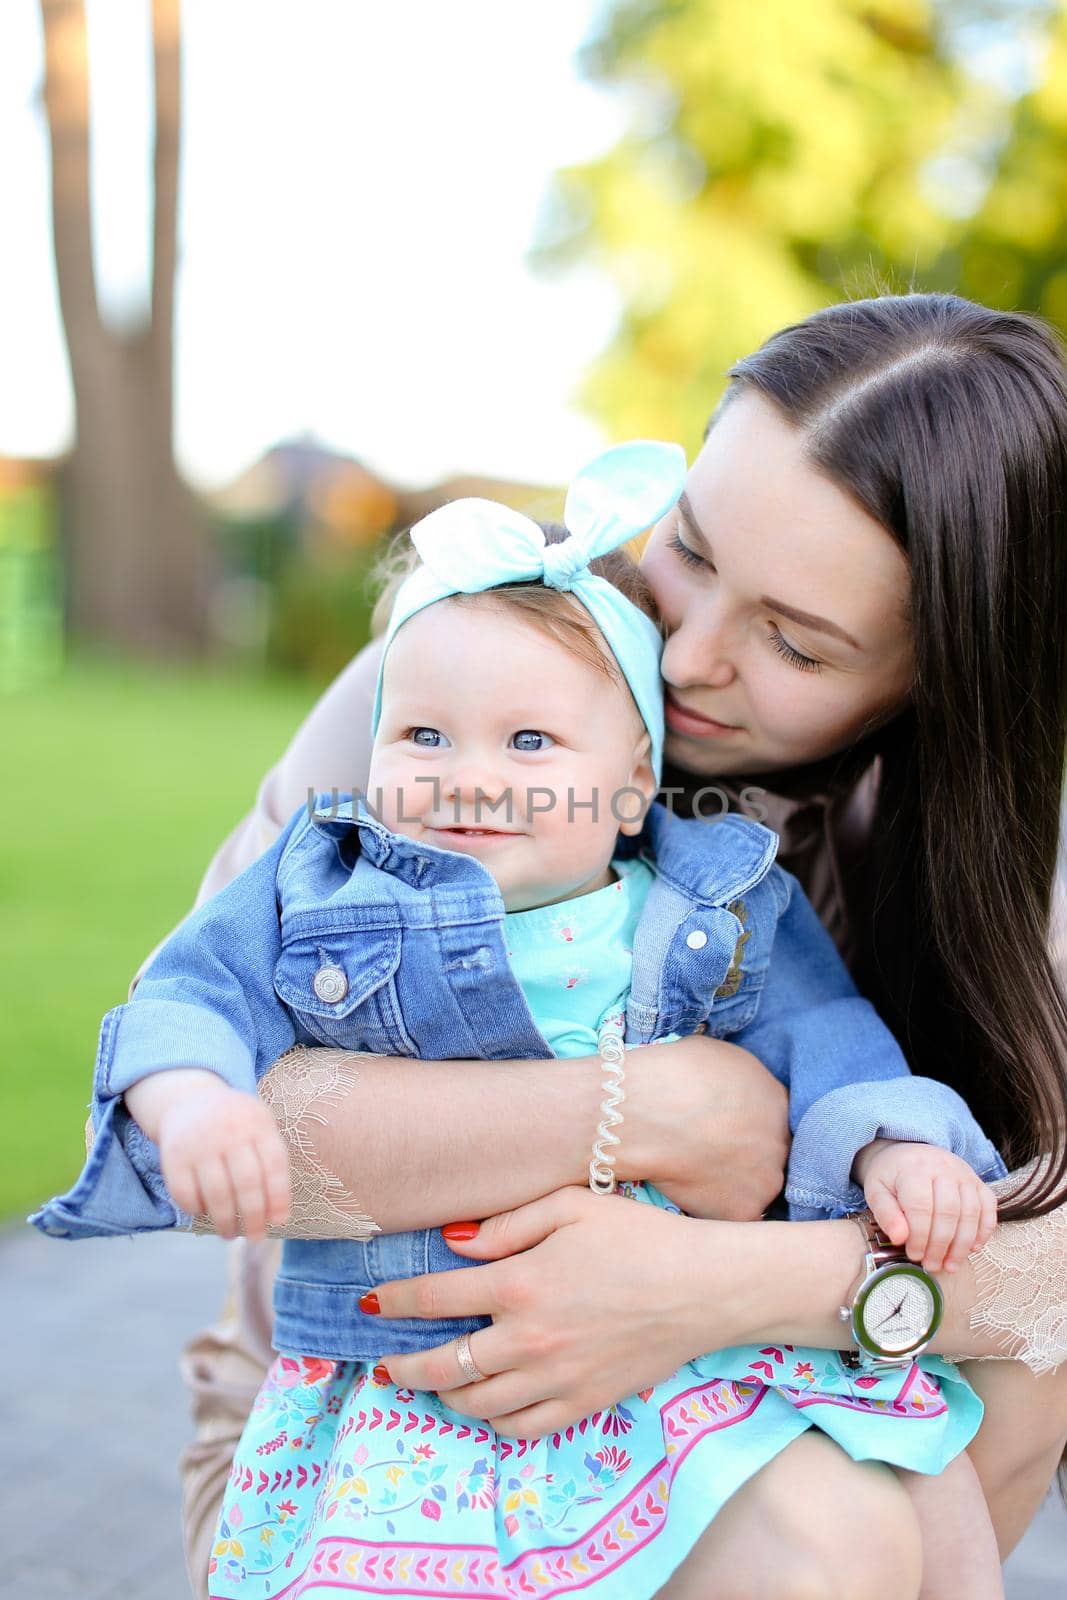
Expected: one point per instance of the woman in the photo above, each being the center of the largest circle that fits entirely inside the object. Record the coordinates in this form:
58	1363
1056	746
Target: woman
866	602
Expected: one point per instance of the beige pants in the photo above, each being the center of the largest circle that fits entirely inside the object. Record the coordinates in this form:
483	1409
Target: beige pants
224	1367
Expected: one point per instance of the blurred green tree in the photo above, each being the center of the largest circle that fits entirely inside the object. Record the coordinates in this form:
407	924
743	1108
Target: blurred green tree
134	546
1012	252
777	157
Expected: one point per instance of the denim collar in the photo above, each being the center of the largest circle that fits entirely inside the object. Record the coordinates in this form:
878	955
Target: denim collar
710	870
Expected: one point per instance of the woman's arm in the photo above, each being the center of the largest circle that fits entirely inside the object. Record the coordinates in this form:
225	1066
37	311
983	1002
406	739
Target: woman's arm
593	1298
409	1144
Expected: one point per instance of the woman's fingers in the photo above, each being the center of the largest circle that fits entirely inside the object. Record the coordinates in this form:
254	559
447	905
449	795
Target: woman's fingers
509	1391
465	1292
534	1422
438	1368
511	1231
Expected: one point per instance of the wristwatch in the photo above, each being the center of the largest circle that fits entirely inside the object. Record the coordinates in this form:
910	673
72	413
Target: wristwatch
896	1308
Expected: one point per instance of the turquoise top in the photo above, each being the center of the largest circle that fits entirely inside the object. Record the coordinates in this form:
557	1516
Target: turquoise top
573	959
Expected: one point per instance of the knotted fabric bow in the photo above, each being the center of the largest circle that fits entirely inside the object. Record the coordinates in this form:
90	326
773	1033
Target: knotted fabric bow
472	545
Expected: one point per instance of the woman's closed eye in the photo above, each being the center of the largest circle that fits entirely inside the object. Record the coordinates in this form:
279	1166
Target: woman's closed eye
780	643
690	557
795	657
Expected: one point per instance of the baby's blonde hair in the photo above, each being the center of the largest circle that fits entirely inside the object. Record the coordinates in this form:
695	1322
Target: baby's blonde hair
551	611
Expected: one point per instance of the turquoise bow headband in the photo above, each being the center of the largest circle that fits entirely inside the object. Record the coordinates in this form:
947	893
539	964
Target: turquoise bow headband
472	545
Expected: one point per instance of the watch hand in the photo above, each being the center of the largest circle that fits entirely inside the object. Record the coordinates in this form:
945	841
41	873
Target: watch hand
894	1313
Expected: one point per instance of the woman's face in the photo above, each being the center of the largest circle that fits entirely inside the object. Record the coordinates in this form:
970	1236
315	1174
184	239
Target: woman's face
785	605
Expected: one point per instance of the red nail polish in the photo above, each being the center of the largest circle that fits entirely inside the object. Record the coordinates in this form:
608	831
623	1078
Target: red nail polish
460	1230
369	1303
382	1374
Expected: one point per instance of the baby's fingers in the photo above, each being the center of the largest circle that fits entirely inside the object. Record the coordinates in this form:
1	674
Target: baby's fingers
886	1212
181	1180
274	1160
946	1221
988	1219
220	1202
249	1187
916	1198
967	1229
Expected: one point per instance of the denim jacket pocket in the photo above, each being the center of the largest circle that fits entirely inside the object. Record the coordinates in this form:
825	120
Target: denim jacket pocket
341	986
728	1017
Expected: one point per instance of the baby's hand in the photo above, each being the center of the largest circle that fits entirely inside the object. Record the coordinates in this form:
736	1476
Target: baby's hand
222	1155
928	1199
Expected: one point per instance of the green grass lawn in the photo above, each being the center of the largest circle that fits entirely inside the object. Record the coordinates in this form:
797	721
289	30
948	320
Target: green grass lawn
119	783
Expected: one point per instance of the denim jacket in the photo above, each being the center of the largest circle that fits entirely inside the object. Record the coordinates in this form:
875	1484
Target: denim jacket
346	934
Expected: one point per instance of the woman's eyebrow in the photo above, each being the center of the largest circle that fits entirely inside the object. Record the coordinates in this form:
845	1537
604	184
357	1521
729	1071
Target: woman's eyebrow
805	618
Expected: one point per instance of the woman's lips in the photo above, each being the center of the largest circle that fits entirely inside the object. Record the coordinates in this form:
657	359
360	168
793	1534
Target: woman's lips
681	720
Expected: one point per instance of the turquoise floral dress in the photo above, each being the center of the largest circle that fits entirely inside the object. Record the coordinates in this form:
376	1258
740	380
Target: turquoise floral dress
342	1485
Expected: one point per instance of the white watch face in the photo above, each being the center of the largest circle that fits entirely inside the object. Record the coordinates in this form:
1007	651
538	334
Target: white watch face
899	1311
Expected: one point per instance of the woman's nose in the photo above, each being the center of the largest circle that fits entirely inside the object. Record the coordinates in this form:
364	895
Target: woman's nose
699	652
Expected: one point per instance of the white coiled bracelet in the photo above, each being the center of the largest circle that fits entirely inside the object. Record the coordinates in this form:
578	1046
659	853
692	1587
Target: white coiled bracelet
612	1053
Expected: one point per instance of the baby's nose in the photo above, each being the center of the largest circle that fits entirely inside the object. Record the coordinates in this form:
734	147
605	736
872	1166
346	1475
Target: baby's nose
478	782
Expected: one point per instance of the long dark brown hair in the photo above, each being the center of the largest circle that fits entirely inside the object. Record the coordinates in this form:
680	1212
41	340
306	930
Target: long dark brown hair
947	423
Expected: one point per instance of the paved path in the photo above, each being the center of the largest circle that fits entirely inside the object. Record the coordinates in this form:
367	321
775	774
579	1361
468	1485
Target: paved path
94	1417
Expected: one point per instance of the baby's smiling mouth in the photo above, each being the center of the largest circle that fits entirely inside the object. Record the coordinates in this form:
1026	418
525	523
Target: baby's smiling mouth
478	833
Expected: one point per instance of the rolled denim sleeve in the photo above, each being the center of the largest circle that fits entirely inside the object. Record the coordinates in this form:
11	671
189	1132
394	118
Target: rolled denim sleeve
847	1078
835	1129
207	1000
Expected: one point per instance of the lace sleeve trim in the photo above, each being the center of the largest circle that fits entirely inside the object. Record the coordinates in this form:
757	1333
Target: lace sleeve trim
300	1086
1021	1286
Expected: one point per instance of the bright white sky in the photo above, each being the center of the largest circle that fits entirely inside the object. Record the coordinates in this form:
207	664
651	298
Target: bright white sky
360	183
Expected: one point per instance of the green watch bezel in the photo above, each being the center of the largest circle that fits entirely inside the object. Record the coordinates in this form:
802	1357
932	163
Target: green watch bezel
895	1269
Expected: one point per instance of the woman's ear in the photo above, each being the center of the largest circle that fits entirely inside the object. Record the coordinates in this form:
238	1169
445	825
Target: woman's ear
643	779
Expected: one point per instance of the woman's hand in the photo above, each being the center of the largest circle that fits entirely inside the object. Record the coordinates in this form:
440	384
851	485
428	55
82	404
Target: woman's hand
592	1298
708	1125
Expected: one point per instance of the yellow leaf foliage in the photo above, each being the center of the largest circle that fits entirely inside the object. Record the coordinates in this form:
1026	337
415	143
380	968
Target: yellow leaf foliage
779	157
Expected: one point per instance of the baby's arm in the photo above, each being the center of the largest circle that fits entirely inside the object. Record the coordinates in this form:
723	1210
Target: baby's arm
186	1052
927	1199
177	1125
849	1084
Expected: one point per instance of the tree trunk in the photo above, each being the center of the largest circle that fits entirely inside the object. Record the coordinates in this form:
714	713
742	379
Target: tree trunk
134	544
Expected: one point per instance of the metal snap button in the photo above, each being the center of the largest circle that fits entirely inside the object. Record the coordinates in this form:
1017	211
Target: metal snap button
330	984
697	939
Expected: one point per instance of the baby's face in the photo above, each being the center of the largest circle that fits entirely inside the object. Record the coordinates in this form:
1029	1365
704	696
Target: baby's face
496	742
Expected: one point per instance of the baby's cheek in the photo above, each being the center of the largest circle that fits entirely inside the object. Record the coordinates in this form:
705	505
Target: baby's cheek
392	793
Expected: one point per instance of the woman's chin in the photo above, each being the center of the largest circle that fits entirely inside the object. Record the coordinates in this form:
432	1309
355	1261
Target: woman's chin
711	761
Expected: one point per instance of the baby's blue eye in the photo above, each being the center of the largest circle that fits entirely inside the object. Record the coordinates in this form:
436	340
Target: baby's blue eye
541	740
435	741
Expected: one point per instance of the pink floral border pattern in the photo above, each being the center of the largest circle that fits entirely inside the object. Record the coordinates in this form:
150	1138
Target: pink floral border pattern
474	1572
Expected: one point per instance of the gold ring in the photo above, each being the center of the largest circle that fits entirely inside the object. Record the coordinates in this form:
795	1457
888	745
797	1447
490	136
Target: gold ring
467	1364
